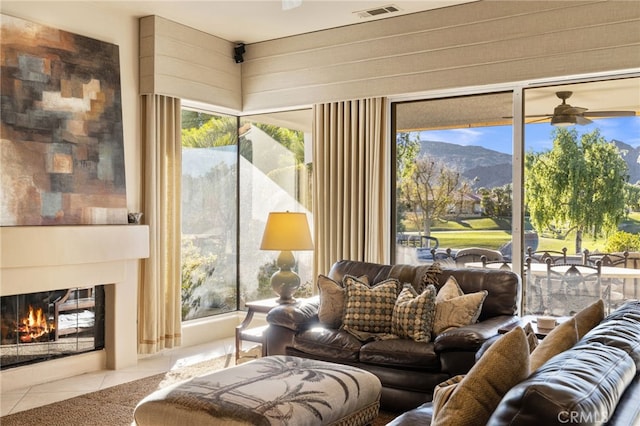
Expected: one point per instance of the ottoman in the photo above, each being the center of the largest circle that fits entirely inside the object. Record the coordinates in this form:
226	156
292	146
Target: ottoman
275	390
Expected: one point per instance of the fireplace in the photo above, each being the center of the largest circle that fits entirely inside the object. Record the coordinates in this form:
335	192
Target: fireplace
43	259
42	326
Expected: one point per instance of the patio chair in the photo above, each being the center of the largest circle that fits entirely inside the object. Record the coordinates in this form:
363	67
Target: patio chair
474	254
541	256
633	262
606	259
532	293
571	287
443	256
495	264
616	260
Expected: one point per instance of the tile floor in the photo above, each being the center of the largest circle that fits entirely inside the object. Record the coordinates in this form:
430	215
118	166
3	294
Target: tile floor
23	399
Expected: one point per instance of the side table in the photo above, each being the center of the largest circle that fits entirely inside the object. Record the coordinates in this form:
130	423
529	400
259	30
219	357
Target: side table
541	333
255	334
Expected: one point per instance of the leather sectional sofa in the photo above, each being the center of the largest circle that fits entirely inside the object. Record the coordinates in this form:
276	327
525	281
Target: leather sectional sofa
595	382
408	370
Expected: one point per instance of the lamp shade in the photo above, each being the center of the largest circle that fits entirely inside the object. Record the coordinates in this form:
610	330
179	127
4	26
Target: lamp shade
286	231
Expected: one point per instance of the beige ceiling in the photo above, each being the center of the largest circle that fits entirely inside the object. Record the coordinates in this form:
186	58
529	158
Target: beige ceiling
494	109
490	109
254	21
261	20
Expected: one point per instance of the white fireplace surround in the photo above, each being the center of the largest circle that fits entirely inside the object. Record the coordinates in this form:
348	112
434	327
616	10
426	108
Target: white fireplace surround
43	258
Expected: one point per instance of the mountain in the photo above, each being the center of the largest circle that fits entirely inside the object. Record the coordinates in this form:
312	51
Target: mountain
491	168
630	155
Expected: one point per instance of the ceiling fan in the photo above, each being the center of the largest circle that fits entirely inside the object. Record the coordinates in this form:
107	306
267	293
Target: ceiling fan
567	115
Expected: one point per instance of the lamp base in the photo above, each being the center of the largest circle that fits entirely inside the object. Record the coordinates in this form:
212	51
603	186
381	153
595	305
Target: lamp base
285	282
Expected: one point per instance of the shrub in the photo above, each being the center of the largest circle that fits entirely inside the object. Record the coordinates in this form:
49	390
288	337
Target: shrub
623	241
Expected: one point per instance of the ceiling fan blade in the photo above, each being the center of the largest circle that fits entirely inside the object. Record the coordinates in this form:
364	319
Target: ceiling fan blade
532	116
610	114
538	119
582	120
574	110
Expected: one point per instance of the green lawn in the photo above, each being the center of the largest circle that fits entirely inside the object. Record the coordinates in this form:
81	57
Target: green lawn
476	238
493	233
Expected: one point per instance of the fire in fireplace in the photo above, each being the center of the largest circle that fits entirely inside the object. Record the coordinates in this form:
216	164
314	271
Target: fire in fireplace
34	326
41	326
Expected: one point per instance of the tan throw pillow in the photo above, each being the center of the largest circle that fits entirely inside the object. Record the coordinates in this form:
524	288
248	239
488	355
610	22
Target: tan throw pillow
413	314
332	295
475	398
449	290
454	308
561	338
442	392
369	309
589	317
532	339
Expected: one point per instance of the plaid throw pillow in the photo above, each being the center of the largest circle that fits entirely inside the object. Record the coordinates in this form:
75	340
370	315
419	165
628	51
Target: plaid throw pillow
369	309
413	314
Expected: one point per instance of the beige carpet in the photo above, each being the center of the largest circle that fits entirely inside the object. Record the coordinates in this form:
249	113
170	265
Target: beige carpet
114	406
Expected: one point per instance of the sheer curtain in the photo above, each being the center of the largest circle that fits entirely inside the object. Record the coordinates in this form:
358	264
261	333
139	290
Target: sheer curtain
159	312
351	179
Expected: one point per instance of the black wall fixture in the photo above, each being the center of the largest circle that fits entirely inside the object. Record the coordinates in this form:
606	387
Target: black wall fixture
238	51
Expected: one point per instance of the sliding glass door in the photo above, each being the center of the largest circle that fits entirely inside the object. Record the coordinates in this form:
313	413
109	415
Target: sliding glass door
582	192
453	171
570	188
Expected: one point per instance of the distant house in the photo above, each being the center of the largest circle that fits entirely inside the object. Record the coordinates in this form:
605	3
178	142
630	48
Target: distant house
468	205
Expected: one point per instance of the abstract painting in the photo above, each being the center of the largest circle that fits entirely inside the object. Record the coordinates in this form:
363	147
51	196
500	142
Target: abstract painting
61	142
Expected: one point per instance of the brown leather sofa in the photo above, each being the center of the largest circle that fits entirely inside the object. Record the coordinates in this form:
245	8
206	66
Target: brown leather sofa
408	370
595	382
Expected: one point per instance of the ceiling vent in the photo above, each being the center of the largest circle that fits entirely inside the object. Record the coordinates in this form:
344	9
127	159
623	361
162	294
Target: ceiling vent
377	11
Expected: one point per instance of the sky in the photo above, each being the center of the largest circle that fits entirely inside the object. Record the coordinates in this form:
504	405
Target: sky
537	136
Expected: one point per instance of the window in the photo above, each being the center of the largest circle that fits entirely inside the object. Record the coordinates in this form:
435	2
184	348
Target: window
453	178
234	172
456	191
209	213
582	188
275	175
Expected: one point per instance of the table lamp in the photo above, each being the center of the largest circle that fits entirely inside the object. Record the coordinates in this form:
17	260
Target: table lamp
287	232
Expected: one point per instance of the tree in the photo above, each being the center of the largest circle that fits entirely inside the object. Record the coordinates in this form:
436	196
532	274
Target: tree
632	196
217	131
498	201
407	149
577	185
429	189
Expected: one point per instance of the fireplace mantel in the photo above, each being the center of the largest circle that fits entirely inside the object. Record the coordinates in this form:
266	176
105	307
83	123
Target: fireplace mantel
43	258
